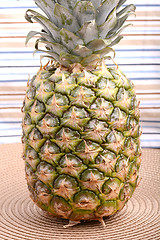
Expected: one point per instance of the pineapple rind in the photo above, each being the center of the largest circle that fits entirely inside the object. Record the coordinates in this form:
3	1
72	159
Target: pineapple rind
81	144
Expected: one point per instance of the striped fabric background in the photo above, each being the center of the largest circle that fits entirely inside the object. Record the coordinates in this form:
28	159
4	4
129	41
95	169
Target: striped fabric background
138	56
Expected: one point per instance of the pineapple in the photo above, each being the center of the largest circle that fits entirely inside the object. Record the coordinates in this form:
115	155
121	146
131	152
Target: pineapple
81	132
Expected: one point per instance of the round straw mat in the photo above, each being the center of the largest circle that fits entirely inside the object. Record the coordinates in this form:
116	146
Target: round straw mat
21	219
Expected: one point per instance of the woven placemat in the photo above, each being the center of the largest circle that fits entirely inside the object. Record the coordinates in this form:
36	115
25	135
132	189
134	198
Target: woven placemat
21	219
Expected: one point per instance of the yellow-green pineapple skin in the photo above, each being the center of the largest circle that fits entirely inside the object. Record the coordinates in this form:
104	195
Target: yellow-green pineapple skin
81	140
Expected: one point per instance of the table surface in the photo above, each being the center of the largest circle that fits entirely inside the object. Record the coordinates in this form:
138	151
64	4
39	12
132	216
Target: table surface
21	219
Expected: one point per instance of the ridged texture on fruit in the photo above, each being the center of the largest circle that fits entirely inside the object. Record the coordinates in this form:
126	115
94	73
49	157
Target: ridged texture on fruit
79	31
81	141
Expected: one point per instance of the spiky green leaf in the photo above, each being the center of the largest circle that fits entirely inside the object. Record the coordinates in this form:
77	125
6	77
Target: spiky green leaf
127	10
84	11
104	10
99	44
65	19
88	31
116	41
46	56
47	7
29	17
69	39
96	3
58	48
42	41
33	33
55	56
118	26
108	25
54	47
91	60
82	51
48	26
121	2
69	4
116	34
103	52
66	59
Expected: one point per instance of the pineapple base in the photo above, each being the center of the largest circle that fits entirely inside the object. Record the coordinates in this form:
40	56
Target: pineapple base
81	140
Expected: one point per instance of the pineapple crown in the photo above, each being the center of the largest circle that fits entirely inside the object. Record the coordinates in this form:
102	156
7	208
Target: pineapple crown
79	31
